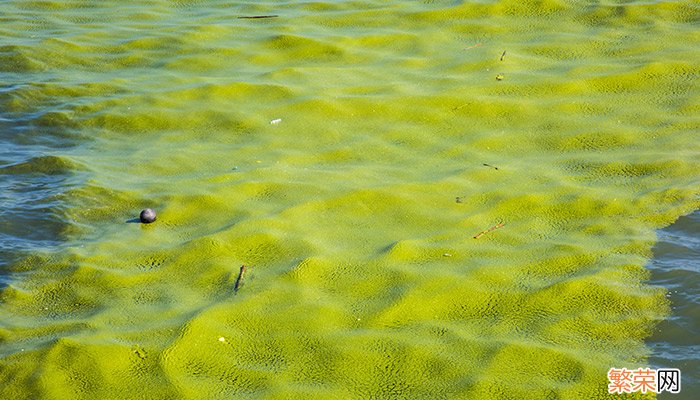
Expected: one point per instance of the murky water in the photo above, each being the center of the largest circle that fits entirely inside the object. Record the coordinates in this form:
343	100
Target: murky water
348	153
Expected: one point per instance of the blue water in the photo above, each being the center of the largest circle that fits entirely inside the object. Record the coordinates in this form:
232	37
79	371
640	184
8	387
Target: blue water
676	267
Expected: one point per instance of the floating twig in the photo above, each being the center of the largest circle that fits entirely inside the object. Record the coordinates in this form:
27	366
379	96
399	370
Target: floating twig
258	16
239	280
459	198
474	46
503	55
493	228
488	165
139	351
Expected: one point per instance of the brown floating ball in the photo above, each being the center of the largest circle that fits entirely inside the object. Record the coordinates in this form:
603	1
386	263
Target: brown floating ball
147	216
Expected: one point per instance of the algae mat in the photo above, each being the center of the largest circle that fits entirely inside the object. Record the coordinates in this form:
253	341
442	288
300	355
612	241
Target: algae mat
347	153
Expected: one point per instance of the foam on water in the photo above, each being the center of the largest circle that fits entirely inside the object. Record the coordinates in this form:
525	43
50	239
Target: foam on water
364	278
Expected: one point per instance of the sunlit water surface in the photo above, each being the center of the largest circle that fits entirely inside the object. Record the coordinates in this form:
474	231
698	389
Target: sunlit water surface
346	152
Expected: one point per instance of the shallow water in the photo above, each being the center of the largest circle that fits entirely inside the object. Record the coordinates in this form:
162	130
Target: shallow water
347	153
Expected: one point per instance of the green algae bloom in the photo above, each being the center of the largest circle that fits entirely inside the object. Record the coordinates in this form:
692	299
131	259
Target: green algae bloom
324	149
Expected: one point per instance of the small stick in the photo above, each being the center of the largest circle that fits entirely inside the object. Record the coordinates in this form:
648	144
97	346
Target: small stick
239	280
503	55
487	165
259	16
493	228
474	46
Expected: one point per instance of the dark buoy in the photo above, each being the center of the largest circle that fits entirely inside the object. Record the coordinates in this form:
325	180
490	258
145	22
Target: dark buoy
147	216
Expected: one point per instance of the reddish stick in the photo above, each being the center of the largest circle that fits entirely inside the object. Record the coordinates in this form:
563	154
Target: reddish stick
493	228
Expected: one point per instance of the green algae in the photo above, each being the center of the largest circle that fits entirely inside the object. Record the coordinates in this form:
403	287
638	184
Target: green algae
364	278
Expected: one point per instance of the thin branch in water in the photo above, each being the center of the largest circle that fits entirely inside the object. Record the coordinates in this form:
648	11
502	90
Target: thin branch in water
258	16
239	280
493	228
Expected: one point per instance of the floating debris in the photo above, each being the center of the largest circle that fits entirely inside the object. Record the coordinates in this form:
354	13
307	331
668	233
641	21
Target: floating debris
493	228
222	339
139	351
503	55
275	121
447	255
239	280
487	165
147	216
474	46
500	77
258	16
459	198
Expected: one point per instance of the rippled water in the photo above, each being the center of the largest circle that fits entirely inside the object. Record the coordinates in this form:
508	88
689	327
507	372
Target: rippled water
676	267
348	153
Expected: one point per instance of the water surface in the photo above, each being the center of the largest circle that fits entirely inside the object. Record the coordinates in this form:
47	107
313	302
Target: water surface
347	153
676	267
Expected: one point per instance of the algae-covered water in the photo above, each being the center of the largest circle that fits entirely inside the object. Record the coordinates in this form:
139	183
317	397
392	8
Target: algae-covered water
348	153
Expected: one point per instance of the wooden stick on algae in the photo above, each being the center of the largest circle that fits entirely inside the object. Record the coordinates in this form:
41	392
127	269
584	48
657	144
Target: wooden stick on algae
239	280
493	228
